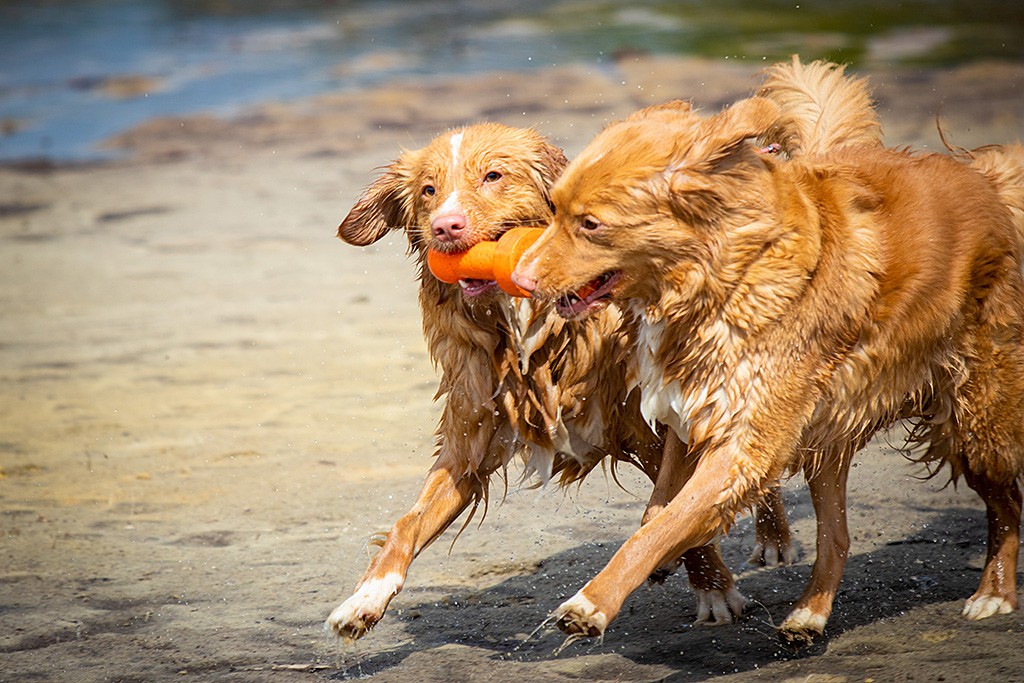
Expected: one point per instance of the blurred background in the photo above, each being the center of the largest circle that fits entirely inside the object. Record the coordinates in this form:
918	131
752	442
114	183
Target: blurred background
74	72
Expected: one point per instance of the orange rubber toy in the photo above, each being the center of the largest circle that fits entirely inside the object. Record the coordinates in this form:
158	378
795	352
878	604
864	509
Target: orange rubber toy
486	260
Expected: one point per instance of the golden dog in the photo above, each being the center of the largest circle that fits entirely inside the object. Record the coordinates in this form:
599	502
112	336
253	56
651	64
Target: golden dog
787	309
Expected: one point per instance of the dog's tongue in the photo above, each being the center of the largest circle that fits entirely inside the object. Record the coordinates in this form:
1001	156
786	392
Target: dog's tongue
586	296
473	286
570	305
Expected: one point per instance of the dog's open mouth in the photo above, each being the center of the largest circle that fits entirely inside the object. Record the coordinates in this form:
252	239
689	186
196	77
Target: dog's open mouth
591	297
472	287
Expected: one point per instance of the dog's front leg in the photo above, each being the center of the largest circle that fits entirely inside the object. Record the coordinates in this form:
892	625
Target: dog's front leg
441	501
694	518
718	600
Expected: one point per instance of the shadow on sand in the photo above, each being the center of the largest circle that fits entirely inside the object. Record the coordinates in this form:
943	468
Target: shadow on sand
933	566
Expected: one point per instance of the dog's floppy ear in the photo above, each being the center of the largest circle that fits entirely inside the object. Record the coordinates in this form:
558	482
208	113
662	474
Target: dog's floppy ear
695	184
549	165
718	138
383	206
723	133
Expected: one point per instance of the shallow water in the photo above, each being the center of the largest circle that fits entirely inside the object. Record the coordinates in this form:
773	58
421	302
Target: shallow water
75	72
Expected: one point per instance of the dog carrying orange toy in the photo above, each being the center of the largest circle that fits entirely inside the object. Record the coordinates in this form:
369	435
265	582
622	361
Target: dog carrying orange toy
486	260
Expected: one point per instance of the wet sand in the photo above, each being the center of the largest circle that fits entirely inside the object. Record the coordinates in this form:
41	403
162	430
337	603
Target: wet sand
210	403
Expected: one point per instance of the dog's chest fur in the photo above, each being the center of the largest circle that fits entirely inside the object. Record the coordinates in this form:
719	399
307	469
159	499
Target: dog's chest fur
541	394
661	399
522	383
706	397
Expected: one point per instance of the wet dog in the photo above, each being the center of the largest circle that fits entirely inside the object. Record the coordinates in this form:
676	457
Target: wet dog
787	308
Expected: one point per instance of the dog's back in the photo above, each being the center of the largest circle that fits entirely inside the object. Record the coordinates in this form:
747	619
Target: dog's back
1003	165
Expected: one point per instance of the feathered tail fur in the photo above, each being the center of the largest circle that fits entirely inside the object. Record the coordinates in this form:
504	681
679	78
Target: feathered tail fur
822	109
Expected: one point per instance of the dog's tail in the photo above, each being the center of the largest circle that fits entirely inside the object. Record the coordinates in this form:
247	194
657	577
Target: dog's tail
822	109
1003	165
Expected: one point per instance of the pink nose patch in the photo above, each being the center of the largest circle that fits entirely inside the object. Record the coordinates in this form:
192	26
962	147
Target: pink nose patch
449	227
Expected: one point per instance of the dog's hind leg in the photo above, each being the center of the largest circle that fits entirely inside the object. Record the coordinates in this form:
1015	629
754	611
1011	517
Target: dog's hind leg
774	539
827	482
989	433
718	600
997	592
442	499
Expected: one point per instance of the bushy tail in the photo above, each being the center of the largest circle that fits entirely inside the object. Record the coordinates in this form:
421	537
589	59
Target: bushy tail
822	108
1003	165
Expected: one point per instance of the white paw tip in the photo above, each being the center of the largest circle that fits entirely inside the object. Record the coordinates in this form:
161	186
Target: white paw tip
718	608
986	606
771	555
349	622
357	615
803	619
578	615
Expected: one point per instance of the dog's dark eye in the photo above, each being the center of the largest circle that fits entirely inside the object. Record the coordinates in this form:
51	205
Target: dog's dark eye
428	190
492	176
588	223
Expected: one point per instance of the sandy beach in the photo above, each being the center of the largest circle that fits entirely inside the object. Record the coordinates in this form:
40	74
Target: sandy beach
210	403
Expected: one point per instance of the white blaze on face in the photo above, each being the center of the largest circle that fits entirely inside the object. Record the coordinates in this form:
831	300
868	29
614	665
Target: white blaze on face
451	202
456	143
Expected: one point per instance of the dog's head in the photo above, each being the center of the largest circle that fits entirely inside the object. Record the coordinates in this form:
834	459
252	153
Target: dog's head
647	196
467	186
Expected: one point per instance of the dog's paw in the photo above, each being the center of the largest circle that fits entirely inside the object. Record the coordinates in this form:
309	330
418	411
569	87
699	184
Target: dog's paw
802	627
982	606
353	618
718	608
578	616
771	554
350	622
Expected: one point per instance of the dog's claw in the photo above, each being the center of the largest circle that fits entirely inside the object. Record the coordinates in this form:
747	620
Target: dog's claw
798	638
983	606
802	627
770	555
351	626
353	618
578	616
718	608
